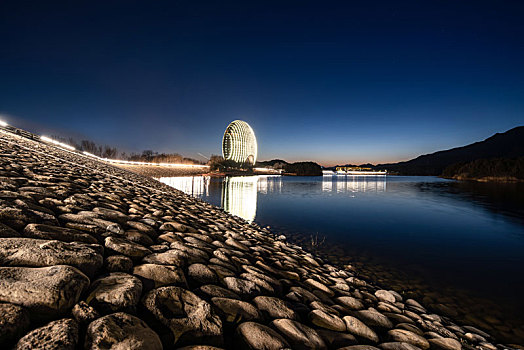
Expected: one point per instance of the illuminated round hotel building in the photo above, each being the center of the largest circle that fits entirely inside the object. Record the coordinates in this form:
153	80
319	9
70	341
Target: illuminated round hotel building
239	143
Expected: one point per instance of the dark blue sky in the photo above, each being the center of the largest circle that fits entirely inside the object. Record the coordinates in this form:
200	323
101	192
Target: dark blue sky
334	82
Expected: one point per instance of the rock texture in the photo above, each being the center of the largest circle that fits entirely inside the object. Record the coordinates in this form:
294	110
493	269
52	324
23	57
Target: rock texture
98	257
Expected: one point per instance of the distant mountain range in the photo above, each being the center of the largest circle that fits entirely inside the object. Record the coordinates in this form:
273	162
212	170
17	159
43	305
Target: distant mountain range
509	144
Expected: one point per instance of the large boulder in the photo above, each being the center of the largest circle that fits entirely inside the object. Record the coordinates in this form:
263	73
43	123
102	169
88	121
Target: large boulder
46	292
121	331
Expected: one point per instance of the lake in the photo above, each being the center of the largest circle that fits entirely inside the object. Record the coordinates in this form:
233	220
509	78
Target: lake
459	246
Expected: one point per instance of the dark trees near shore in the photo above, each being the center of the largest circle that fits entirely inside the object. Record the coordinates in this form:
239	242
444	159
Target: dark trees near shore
487	168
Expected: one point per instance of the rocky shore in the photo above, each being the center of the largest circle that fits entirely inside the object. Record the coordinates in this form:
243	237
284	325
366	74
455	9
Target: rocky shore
97	257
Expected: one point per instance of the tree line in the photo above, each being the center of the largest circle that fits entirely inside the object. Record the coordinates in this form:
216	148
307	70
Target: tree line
486	168
105	151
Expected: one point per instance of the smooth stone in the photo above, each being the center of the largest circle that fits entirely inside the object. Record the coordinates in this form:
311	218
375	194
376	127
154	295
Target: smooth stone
56	335
173	226
117	292
398	346
125	247
254	336
241	287
140	226
47	292
335	340
58	233
359	347
299	336
121	331
138	237
112	215
384	295
170	257
444	344
410	327
118	263
40	252
210	290
234	310
405	336
415	304
315	284
185	314
350	303
14	322
201	274
273	308
323	319
154	275
358	328
199	347
374	319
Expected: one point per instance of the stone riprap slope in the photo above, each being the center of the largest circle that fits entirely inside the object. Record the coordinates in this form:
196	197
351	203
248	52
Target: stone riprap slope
95	257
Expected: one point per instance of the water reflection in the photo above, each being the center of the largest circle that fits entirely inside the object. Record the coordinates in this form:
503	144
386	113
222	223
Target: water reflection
343	184
196	186
239	196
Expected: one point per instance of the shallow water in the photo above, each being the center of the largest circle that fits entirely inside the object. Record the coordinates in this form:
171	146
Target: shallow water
462	240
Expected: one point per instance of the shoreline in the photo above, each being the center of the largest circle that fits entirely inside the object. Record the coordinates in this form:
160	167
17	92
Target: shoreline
122	256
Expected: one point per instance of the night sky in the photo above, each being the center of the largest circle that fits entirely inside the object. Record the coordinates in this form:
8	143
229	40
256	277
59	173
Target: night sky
333	82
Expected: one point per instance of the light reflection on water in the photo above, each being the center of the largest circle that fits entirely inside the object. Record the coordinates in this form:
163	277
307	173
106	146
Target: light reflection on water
239	193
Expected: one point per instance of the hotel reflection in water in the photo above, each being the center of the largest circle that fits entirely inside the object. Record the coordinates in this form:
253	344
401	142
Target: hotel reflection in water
238	194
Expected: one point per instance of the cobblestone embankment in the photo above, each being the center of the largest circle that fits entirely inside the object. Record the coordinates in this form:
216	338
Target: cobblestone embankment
96	257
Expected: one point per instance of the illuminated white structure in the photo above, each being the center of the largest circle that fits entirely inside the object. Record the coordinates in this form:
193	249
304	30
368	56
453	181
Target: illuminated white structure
239	143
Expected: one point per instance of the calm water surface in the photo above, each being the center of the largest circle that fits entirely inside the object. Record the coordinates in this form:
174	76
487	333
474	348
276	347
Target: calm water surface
468	236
